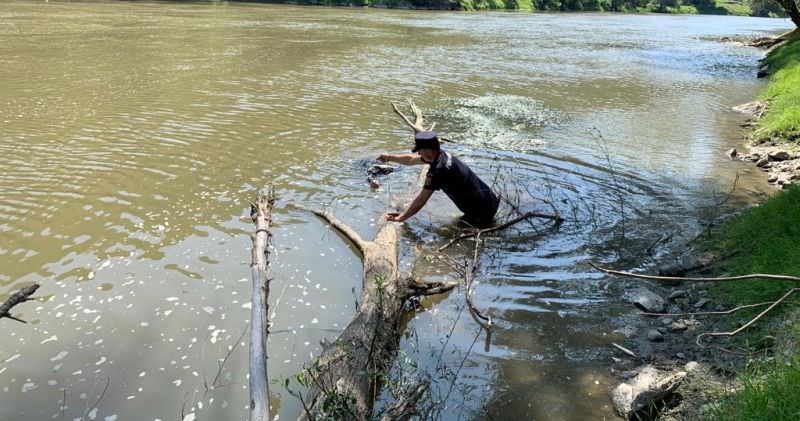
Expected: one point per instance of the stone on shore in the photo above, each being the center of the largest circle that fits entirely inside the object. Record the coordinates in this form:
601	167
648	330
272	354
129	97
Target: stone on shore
779	156
648	300
677	327
645	390
655	336
752	109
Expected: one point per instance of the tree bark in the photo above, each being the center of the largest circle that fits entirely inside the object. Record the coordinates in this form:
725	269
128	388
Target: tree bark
792	9
261	212
345	379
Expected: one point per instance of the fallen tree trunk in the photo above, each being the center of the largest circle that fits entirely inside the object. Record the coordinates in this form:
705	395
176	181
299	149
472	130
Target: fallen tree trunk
261	212
345	379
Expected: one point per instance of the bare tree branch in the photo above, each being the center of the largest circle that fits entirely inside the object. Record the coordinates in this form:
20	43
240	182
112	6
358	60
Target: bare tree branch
524	216
18	297
680	278
340	226
748	324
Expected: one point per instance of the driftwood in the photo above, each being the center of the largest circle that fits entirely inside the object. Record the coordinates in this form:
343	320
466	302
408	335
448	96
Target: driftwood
345	379
18	297
769	42
680	278
748	324
261	212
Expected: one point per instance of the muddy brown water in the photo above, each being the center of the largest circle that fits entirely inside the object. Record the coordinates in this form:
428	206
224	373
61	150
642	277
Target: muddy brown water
134	134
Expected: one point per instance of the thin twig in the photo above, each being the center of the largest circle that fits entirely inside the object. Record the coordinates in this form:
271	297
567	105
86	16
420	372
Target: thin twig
94	405
748	324
680	278
623	349
527	215
704	313
224	360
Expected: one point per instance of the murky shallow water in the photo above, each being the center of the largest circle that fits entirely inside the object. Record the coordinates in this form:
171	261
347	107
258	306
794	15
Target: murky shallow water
134	136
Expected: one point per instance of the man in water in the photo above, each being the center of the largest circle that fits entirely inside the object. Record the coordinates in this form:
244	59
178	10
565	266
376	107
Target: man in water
447	173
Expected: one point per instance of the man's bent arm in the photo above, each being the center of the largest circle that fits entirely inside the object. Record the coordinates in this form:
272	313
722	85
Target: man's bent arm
404	159
415	206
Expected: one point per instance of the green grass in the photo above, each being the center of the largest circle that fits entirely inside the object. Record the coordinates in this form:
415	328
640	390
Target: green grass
769	392
765	239
781	122
734	8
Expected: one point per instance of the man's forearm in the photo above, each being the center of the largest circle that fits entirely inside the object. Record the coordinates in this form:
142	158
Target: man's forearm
415	205
404	159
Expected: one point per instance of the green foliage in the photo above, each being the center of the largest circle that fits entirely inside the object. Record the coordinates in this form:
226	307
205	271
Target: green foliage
766	8
769	392
781	122
735	8
763	240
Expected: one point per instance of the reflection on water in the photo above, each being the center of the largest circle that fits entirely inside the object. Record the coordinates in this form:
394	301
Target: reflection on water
134	135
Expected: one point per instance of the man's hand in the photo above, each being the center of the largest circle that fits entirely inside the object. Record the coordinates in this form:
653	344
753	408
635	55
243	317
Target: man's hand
383	157
394	216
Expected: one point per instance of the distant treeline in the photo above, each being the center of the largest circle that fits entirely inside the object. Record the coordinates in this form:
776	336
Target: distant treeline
719	7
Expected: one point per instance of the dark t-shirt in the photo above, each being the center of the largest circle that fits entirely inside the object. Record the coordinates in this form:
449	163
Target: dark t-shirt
471	195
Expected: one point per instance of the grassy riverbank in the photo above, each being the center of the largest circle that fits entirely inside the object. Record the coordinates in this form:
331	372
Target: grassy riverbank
781	123
764	239
715	7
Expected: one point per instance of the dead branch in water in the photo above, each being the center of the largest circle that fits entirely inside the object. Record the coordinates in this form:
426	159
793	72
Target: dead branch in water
261	213
505	225
18	297
467	271
345	379
680	278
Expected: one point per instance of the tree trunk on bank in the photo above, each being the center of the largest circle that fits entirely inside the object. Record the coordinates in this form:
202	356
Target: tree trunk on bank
792	9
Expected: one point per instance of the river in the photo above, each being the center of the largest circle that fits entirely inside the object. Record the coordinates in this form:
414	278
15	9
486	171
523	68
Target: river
134	136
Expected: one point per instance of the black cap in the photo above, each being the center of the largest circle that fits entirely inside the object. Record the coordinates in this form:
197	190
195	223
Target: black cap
425	140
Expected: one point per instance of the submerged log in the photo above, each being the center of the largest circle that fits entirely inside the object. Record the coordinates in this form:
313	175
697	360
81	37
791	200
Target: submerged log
261	212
